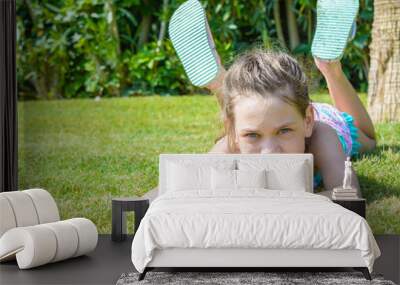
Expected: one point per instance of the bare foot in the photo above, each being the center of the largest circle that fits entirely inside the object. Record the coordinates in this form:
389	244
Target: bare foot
328	68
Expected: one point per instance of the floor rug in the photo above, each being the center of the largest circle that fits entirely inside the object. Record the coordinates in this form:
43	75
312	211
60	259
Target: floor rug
230	278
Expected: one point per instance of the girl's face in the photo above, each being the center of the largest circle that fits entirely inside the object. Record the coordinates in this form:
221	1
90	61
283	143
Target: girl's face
270	126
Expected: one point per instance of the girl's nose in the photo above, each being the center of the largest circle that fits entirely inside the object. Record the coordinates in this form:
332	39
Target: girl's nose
267	150
270	147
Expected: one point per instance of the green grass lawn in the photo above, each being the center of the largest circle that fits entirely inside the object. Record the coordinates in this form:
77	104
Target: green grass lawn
86	152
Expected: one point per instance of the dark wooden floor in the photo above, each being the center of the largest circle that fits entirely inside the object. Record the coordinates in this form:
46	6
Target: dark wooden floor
102	266
110	260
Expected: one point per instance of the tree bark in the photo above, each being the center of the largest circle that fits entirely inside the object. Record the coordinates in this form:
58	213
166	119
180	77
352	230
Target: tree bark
278	23
113	26
294	39
309	26
110	9
384	73
163	25
144	30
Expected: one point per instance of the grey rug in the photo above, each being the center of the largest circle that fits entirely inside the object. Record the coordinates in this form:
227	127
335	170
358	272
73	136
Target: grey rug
229	278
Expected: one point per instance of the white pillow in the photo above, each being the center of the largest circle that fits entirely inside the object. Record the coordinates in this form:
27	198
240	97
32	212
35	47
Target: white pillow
294	180
281	174
227	179
187	177
251	178
223	179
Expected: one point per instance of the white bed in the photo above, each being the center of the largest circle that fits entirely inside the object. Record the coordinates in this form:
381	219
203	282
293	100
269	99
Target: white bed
199	220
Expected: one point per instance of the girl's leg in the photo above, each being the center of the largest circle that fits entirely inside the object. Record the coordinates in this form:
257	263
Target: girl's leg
345	99
215	86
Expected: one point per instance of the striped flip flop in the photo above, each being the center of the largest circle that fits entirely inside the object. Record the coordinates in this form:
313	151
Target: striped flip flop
335	26
192	40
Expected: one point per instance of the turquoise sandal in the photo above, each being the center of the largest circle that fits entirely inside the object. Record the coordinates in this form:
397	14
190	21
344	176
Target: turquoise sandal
192	40
335	26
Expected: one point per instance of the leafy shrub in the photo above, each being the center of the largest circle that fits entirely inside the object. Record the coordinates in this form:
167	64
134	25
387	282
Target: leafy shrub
88	48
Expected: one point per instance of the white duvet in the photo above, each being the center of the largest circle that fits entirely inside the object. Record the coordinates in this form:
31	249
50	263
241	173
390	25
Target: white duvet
254	218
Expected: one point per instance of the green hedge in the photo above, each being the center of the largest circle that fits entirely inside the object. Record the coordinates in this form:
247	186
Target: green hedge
88	48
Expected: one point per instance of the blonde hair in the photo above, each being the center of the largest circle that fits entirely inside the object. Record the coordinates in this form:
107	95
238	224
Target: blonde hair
263	73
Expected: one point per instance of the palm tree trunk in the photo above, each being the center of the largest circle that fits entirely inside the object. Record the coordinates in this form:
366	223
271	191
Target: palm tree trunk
163	25
294	39
110	10
384	73
309	26
113	26
145	24
278	23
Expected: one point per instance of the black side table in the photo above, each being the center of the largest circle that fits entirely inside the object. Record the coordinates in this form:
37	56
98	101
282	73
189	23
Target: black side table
356	205
119	208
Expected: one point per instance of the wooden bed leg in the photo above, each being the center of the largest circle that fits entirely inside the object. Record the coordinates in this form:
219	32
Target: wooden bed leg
143	274
364	271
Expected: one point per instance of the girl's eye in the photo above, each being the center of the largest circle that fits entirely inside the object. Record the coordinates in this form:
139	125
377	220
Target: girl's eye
284	130
252	135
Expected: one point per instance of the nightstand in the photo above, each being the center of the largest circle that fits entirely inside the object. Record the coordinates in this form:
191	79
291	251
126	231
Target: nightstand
356	205
119	208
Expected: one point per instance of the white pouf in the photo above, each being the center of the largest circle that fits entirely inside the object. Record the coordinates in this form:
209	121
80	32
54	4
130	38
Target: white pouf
31	233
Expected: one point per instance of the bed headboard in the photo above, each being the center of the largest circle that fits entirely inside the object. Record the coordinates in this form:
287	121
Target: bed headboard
285	161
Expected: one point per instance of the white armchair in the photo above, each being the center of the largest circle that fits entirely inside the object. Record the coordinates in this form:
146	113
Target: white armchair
31	231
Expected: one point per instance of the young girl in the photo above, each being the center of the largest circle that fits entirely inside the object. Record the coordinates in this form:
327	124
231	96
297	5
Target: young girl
264	96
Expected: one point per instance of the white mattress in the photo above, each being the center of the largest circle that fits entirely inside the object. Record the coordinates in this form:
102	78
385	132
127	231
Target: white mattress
257	218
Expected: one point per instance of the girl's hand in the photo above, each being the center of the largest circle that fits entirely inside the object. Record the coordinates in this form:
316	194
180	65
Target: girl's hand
328	68
221	146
